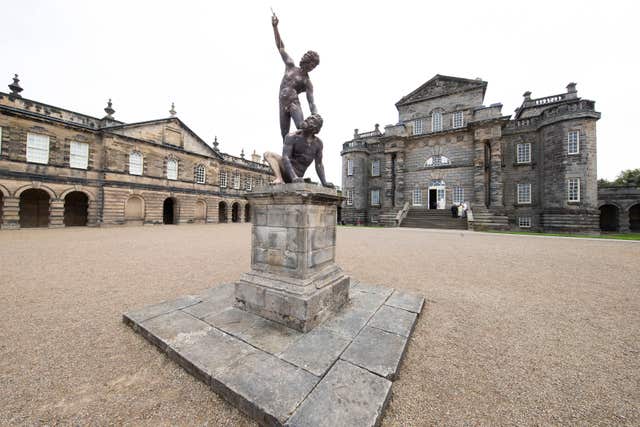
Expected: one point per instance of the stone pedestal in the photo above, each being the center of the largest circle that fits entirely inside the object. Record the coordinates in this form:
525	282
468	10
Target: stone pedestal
294	279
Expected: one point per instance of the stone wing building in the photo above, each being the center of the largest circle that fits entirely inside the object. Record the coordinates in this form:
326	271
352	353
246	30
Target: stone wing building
534	171
62	168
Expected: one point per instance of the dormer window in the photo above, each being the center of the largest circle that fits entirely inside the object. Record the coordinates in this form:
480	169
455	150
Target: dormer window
457	121
437	160
436	121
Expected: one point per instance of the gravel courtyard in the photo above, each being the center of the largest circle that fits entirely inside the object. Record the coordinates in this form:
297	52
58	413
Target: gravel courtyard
516	329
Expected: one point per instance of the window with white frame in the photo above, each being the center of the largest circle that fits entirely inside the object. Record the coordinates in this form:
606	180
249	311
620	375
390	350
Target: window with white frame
375	197
573	142
375	168
135	163
418	129
523	153
236	181
524	221
458	195
200	174
78	155
436	121
457	121
349	197
223	178
172	169
37	148
437	160
573	189
417	197
524	193
350	167
248	183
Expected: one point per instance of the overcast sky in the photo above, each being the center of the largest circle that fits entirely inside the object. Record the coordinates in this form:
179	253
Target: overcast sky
218	62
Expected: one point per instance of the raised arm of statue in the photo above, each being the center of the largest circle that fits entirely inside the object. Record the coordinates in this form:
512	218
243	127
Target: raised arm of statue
279	44
310	100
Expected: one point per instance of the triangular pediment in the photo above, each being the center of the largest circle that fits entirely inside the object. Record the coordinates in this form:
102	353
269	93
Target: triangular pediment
441	85
170	131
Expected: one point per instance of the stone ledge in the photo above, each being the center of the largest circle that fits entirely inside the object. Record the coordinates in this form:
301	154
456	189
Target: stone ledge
279	376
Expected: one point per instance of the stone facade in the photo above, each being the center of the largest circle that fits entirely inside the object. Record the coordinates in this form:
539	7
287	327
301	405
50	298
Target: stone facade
619	208
448	147
182	178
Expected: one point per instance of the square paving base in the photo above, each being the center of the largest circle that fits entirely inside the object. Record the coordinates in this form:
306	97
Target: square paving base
338	374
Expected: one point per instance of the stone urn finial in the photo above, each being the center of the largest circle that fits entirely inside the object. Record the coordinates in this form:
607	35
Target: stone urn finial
173	110
109	109
215	143
15	87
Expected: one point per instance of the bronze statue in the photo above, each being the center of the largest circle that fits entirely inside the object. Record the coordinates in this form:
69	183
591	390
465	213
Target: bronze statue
294	81
300	149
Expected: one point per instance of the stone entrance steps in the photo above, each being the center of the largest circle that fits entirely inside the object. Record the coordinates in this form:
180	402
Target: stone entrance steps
483	219
433	218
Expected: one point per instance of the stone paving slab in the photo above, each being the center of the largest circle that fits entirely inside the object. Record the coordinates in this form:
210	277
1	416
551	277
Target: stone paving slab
377	351
406	301
346	396
316	351
337	374
395	320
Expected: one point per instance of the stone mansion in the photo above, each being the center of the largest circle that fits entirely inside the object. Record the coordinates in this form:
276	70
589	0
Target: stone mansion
62	168
534	171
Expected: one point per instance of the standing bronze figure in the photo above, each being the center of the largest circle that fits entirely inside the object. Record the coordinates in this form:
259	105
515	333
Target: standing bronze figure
295	81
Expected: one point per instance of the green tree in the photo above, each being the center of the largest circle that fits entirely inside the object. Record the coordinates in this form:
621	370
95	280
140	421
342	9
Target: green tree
628	177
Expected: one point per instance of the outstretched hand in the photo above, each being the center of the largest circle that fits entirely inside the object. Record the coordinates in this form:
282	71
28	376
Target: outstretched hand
274	20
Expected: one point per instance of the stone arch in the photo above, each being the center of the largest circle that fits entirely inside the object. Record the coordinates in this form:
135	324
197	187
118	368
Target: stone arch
76	209
170	210
81	190
222	211
201	211
609	217
4	191
34	207
235	212
38	186
134	209
634	218
247	212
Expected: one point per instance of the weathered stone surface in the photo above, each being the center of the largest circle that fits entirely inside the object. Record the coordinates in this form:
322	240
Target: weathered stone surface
346	396
204	355
294	279
138	316
348	322
270	336
394	320
214	301
377	351
366	301
163	330
316	350
375	289
265	387
406	301
232	320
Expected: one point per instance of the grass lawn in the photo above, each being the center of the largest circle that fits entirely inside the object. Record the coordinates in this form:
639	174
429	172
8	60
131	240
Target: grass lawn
626	236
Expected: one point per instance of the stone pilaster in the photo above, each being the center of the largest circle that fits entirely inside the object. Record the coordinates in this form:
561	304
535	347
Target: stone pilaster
294	279
497	200
623	220
478	173
11	213
56	213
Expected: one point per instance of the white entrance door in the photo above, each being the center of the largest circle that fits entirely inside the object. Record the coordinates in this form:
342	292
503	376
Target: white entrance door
441	199
437	197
